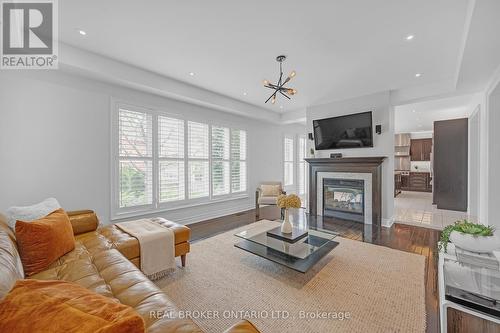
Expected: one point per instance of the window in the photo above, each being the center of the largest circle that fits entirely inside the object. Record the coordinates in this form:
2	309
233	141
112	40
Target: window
238	161
288	161
220	160
135	159
198	160
171	159
302	166
164	162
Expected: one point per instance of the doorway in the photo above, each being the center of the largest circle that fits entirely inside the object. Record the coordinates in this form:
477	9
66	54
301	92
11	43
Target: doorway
419	157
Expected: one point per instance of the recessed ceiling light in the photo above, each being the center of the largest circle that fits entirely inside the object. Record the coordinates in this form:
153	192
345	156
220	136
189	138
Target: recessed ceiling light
414	111
245	93
82	32
410	37
281	106
191	73
418	75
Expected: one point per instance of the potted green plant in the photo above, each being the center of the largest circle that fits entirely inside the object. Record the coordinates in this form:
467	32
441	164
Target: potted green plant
469	236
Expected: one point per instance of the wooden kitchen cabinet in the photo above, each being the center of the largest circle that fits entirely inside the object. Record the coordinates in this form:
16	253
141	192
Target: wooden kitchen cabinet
420	182
405	182
426	149
420	149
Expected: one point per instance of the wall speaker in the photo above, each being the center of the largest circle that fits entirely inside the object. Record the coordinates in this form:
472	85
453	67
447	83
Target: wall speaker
336	155
378	129
310	135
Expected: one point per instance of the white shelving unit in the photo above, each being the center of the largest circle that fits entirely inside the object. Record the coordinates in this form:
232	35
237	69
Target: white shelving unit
469	277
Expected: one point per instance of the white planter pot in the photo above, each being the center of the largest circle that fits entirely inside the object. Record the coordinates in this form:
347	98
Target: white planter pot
480	244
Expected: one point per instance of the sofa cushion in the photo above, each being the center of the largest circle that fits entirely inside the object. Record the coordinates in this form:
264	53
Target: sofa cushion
270	190
31	213
43	241
62	306
11	267
267	200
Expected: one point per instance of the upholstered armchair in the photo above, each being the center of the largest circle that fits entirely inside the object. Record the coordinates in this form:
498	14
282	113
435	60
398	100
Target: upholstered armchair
266	194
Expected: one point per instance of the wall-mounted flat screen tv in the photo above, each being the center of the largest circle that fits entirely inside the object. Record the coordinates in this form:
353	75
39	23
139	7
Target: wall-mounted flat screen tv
350	131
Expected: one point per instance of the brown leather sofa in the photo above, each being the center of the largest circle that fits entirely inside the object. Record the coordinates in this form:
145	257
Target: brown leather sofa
99	263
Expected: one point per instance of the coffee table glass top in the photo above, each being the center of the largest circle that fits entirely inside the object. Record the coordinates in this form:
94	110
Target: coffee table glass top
301	249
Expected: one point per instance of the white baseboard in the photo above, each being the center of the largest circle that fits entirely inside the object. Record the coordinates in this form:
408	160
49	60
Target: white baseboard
388	222
212	215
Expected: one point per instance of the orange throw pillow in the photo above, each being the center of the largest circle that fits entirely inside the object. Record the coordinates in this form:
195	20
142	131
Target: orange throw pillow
58	306
43	241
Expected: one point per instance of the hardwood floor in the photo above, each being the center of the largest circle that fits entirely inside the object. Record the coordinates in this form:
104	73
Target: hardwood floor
400	236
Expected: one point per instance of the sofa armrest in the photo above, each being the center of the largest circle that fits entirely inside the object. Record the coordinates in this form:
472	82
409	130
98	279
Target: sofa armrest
243	326
83	221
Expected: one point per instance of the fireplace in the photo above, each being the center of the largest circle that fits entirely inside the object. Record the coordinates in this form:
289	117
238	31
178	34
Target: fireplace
344	199
366	171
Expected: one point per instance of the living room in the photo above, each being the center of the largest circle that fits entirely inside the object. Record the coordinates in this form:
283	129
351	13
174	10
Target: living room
229	167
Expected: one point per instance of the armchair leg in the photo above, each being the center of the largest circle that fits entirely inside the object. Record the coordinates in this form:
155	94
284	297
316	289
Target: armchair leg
183	260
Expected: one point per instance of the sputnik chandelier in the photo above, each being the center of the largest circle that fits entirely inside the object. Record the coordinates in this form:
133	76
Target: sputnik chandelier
280	86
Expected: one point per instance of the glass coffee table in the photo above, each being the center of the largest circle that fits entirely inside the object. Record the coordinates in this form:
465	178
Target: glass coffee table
300	252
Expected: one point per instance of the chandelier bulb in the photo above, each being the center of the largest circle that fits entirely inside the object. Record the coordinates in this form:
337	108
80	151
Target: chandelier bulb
292	74
273	100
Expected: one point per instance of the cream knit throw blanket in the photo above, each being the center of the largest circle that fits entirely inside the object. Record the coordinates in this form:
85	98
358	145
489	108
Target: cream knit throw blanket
157	246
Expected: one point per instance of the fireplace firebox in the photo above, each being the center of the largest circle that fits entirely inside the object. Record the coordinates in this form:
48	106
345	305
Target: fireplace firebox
344	199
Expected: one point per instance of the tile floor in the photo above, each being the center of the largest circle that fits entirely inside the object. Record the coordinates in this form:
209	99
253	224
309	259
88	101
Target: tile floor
416	208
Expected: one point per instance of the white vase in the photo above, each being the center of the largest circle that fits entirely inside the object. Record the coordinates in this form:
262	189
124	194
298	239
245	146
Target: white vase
480	244
286	226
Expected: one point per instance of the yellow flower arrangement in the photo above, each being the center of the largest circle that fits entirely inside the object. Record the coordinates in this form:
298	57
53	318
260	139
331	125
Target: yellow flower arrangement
288	201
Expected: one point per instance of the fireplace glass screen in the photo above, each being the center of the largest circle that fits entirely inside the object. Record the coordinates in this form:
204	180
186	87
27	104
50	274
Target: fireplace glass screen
343	198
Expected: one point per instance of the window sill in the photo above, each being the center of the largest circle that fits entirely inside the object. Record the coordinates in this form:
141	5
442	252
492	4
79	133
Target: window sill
143	212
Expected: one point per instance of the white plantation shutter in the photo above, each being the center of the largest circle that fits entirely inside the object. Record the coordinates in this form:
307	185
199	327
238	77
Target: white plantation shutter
171	137
198	169
302	165
135	158
197	140
220	160
288	160
238	161
171	159
162	161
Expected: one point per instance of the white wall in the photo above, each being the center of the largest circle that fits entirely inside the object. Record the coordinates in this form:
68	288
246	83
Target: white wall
421	135
494	157
474	161
55	141
383	114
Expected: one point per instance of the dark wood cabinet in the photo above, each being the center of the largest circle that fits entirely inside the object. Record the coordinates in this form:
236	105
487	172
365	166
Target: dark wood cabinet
416	150
397	184
405	182
420	149
420	182
426	149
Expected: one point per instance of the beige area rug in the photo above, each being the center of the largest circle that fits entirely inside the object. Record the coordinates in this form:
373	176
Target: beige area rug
380	289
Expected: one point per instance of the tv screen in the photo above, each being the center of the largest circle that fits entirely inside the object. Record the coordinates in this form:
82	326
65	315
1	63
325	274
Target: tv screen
351	131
